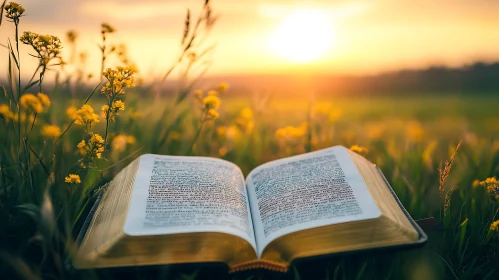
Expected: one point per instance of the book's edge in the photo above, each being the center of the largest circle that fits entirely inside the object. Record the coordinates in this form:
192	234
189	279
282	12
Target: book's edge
88	220
84	227
423	238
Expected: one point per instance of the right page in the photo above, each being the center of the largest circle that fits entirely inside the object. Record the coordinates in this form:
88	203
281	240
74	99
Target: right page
306	191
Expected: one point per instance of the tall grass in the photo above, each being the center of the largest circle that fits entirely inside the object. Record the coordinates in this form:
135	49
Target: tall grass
59	150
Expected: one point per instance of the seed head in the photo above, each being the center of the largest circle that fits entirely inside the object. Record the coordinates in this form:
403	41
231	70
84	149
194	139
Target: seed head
14	11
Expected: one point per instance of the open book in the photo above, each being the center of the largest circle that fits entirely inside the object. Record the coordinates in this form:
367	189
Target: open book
173	209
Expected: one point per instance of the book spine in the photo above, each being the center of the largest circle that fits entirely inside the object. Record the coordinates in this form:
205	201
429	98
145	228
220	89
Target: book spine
261	264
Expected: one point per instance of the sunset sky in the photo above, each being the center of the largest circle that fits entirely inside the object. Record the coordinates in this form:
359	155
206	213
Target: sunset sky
356	37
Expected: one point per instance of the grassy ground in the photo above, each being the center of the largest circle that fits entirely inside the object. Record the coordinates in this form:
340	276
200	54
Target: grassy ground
407	138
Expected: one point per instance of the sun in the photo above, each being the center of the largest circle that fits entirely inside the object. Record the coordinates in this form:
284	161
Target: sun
303	36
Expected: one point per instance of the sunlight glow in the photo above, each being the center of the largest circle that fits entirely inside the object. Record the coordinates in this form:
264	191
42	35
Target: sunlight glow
303	36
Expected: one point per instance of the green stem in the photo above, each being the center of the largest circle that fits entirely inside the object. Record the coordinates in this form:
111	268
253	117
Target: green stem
103	51
197	134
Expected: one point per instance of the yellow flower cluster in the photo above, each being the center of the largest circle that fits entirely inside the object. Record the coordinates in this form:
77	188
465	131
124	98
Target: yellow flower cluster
291	132
85	116
222	88
210	104
494	226
35	103
358	149
116	106
93	148
492	186
51	131
120	142
118	80
415	132
47	47
5	112
44	99
72	179
71	112
13	11
245	120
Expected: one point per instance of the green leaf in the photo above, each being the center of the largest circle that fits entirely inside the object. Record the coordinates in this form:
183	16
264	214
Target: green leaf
29	209
30	85
13	55
1	11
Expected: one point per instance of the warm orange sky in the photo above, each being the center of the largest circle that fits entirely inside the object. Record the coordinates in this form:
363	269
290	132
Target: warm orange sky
363	36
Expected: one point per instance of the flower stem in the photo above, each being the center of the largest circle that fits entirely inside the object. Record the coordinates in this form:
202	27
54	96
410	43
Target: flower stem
197	134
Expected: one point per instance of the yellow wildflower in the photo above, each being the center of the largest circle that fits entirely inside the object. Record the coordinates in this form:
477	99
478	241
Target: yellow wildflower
232	133
291	132
494	226
119	143
97	139
71	112
212	113
475	183
211	102
212	92
23	117
116	106
222	88
44	99
47	47
13	11
5	112
31	103
198	94
223	151
246	114
81	145
491	184
86	116
245	120
52	131
358	149
415	132
130	139
73	179
118	80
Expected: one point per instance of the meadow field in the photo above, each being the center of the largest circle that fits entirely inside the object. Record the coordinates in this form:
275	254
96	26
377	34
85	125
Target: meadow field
61	141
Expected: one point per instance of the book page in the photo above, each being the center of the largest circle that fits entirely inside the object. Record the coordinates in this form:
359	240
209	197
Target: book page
174	194
305	191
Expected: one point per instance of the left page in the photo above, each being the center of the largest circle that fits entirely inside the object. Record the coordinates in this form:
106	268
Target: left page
174	194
